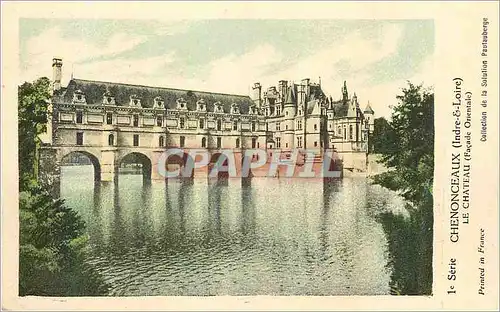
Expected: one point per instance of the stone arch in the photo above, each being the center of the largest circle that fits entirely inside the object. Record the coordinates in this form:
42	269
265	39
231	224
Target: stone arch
94	160
138	158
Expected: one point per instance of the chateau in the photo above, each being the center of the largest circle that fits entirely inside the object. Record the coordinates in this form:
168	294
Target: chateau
109	116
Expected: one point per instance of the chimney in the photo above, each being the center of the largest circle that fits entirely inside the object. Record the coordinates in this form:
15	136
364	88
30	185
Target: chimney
256	94
282	88
57	73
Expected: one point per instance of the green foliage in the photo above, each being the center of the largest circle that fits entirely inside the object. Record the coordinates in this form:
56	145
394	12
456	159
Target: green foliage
383	137
33	99
406	144
52	243
52	249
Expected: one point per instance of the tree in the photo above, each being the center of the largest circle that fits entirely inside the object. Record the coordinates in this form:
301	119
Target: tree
33	99
52	249
52	245
383	137
406	144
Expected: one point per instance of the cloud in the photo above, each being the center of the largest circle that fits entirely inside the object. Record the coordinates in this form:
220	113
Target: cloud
383	96
349	58
51	43
235	74
126	70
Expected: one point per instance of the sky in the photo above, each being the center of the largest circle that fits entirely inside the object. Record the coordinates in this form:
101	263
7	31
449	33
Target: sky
375	57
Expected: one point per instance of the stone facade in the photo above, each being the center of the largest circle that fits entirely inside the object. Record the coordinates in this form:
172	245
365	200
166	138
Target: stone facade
108	121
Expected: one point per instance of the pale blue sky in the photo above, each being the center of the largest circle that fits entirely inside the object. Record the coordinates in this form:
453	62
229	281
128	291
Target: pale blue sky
374	56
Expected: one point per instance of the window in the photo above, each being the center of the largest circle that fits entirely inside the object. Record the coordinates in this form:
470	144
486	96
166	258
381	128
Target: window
286	127
315	127
136	140
299	141
202	123
315	143
350	132
345	133
278	142
203	142
286	113
109	118
253	125
258	144
136	120
339	131
254	142
235	125
161	141
278	126
299	124
111	140
286	145
79	117
181	122
219	142
219	125
79	138
278	110
237	143
159	121
182	141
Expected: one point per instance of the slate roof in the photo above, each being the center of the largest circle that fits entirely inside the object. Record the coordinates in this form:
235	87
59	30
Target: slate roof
340	108
94	91
369	109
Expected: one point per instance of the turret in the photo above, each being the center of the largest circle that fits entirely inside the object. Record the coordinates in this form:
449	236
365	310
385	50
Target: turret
369	115
290	107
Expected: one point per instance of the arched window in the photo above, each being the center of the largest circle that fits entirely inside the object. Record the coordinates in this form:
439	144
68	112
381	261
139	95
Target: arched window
203	142
237	142
350	132
161	141
111	140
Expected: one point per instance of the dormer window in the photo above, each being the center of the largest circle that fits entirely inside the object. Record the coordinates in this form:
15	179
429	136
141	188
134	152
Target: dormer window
218	107
79	97
181	104
235	109
159	103
108	99
201	106
135	101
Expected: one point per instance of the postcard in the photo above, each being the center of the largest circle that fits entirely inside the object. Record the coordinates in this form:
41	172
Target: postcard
250	155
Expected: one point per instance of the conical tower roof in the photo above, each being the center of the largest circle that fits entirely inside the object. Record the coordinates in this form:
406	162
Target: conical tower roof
368	109
290	96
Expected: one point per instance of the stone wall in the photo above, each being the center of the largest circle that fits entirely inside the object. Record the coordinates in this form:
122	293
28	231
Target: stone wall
354	161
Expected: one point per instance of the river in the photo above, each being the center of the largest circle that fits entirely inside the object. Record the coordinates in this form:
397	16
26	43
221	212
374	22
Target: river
275	237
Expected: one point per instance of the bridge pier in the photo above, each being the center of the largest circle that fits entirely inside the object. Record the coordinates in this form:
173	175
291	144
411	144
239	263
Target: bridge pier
109	165
155	173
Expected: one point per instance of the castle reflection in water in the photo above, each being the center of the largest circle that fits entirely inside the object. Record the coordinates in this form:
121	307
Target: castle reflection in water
273	237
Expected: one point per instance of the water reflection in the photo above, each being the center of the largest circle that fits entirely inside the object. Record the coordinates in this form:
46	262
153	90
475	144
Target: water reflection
271	236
